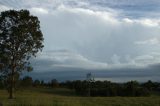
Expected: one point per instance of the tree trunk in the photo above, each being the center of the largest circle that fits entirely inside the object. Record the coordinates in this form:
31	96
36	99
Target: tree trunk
11	93
11	89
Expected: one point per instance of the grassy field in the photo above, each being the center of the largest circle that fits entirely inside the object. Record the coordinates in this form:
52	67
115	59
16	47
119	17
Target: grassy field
65	97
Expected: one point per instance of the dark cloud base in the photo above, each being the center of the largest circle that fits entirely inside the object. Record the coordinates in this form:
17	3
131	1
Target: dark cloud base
116	75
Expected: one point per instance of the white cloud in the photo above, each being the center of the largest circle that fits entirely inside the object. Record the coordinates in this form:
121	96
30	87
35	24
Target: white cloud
102	15
149	22
152	41
127	20
64	58
146	22
36	10
115	59
3	8
96	35
144	59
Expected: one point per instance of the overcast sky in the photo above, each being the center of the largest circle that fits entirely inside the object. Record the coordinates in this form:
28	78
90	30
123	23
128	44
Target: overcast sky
114	39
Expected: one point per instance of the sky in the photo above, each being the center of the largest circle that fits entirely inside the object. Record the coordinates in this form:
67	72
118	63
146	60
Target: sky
115	40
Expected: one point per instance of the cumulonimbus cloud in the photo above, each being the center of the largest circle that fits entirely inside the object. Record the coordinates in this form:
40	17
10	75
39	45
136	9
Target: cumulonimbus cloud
99	34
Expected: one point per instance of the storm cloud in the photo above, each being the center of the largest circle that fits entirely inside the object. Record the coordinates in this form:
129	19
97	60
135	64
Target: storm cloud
115	39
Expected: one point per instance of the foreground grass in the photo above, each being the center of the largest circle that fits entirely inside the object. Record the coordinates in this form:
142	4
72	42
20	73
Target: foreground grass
65	97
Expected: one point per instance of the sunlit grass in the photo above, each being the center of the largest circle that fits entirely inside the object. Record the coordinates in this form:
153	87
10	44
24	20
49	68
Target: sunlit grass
65	97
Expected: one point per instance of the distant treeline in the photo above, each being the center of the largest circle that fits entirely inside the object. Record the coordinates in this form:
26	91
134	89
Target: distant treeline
94	88
27	82
107	88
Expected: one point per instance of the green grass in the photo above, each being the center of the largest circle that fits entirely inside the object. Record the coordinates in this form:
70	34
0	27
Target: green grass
65	97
